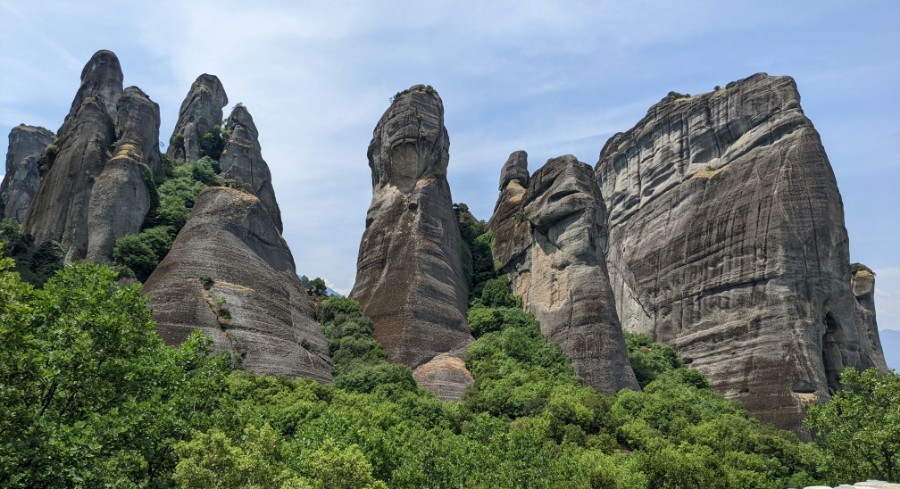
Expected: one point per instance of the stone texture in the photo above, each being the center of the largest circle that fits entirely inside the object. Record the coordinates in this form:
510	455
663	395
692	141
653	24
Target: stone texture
253	305
101	78
120	198
242	160
410	278
727	241
863	283
200	111
22	178
550	239
59	210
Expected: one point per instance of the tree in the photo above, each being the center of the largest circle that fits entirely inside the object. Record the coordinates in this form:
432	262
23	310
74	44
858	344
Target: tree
90	396
859	430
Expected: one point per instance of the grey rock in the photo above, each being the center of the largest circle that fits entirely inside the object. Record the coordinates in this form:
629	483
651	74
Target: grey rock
120	198
200	111
242	161
59	210
727	241
558	265
410	278
22	178
231	275
101	78
863	284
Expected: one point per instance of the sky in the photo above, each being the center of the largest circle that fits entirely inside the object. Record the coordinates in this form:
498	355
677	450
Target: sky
550	78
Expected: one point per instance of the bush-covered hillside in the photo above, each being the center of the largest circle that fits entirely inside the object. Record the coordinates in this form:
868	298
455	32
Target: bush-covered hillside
92	398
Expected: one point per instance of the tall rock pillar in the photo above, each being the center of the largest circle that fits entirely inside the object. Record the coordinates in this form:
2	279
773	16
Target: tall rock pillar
410	278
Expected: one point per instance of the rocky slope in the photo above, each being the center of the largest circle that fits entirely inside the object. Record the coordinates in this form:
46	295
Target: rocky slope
231	275
22	178
242	161
727	241
863	285
549	236
59	210
200	111
410	278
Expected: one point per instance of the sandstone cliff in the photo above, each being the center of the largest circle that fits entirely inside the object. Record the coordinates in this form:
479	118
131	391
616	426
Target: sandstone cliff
242	161
200	111
410	278
69	168
863	285
727	241
549	238
231	275
22	178
120	198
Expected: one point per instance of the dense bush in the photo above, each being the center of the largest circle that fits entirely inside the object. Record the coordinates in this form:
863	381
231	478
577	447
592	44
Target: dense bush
142	252
35	264
649	359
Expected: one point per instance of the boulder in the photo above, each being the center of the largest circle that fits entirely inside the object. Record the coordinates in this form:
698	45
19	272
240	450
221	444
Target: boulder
727	241
410	278
242	161
550	239
200	111
231	275
22	178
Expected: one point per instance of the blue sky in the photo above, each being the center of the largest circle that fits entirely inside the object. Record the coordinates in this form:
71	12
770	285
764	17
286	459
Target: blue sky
547	77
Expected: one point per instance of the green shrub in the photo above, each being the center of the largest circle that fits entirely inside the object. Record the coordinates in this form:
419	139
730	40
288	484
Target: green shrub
649	359
142	252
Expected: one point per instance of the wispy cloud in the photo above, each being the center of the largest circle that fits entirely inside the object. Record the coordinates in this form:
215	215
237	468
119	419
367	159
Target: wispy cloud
544	77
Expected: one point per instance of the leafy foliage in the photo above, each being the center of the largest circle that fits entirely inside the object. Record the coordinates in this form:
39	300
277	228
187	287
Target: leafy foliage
213	143
648	359
859	430
142	252
35	264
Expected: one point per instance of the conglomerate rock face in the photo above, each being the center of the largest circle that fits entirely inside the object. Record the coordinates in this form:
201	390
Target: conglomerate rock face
549	238
727	241
231	275
120	198
242	161
22	178
863	284
410	278
59	210
200	111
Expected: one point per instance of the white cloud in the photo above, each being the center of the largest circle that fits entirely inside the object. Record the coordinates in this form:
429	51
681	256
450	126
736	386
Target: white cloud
548	78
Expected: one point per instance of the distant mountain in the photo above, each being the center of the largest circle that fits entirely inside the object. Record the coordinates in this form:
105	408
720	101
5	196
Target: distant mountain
890	343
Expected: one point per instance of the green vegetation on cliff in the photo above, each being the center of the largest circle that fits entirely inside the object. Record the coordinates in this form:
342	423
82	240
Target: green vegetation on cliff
92	398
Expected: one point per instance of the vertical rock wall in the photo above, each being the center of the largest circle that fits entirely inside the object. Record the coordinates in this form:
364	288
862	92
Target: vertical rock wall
727	241
200	111
549	238
410	278
22	178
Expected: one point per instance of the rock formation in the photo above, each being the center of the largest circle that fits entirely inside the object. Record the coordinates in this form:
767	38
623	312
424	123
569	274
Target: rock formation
727	241
242	161
22	178
863	285
549	238
69	168
120	197
410	278
200	111
231	275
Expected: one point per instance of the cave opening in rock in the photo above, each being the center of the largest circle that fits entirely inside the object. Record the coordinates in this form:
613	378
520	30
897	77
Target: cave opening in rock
831	352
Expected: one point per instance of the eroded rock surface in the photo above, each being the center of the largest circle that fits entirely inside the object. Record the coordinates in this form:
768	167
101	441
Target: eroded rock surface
863	284
200	111
410	278
727	241
59	210
22	178
120	198
549	238
242	161
231	275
